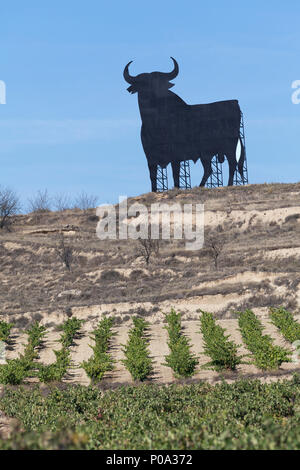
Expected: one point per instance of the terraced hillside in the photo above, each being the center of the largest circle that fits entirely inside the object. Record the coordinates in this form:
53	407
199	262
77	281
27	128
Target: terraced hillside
258	227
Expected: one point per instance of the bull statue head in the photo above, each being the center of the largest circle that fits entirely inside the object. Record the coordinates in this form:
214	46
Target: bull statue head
157	83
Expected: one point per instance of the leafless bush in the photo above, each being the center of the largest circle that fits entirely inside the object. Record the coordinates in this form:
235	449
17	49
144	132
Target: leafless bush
214	245
292	218
147	247
64	252
68	311
137	274
85	201
39	203
111	275
62	202
261	301
9	206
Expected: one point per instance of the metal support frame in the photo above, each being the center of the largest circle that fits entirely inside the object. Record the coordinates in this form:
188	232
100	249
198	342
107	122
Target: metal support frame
185	175
216	178
238	180
162	179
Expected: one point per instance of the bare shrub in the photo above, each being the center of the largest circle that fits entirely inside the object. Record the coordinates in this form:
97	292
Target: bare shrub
93	218
64	252
292	218
39	203
62	202
261	301
147	247
137	274
214	245
85	201
21	322
68	311
9	206
111	275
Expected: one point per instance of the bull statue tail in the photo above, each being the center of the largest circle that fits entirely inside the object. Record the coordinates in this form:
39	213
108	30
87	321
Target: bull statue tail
241	160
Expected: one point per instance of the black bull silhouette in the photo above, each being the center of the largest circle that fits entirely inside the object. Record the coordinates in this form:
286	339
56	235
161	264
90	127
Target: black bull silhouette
173	131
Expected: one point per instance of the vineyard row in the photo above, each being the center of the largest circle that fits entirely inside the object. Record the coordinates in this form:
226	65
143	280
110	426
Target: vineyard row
223	353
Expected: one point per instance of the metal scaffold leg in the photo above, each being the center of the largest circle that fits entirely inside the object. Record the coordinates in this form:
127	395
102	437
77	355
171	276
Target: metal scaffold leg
216	178
185	175
162	179
238	180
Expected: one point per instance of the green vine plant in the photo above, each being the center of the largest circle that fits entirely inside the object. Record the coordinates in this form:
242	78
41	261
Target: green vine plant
286	323
180	360
5	331
137	358
56	371
267	356
223	352
100	362
16	370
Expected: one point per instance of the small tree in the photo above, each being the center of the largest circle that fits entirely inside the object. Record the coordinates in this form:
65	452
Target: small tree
62	202
9	206
65	253
214	246
147	247
85	201
41	202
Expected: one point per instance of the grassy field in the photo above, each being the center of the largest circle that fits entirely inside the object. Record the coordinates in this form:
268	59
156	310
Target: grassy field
243	415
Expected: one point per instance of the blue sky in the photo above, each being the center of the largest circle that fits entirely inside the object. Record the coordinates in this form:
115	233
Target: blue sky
70	125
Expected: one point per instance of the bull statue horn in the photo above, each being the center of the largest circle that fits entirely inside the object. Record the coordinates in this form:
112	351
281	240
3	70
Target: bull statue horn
129	79
174	73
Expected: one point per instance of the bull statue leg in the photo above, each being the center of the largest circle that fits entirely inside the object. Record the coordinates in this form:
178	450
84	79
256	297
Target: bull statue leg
153	177
232	167
175	170
206	162
242	160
